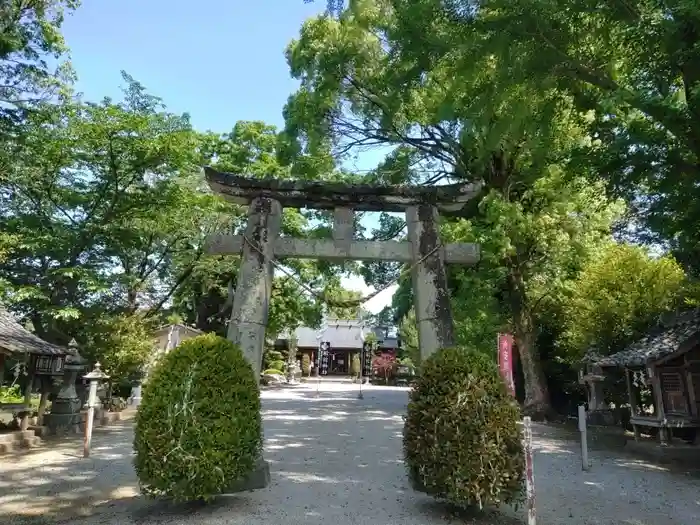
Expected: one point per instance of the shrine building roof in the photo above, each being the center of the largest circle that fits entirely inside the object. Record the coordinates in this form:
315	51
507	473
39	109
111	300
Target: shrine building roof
15	339
674	334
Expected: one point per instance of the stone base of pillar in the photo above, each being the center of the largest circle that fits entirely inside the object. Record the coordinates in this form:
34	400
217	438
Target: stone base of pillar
258	479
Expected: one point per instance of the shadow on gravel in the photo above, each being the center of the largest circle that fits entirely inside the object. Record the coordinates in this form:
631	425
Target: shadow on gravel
344	450
55	480
440	511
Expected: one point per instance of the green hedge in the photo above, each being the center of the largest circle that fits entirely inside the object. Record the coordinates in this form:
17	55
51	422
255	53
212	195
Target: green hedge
462	438
198	427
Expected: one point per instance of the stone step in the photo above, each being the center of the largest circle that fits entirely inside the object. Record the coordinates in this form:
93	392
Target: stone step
8	448
31	442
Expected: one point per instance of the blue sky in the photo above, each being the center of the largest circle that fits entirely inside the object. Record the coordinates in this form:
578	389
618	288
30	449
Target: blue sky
220	61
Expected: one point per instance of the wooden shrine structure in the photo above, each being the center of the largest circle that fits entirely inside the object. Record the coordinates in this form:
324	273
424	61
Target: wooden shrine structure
665	362
261	245
43	362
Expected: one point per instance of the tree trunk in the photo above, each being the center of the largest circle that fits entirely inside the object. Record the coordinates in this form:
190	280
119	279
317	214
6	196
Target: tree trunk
537	400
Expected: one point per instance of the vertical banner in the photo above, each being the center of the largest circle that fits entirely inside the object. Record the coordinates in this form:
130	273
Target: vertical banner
505	360
366	360
324	357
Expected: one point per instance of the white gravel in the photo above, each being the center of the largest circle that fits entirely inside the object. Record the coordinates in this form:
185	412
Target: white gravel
336	460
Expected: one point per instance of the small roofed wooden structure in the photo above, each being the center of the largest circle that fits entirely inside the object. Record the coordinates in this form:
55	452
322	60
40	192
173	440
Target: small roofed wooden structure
15	340
667	362
39	356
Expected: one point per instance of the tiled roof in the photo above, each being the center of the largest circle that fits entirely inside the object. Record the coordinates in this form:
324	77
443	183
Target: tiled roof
341	333
665	339
16	339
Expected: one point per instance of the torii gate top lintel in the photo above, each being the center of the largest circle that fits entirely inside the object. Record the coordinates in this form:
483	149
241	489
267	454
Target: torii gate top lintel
324	195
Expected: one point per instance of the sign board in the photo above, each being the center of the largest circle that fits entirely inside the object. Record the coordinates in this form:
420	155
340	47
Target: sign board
366	359
505	360
324	357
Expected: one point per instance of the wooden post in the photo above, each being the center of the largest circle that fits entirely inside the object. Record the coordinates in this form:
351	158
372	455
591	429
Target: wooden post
529	472
24	425
691	391
632	394
585	464
94	377
659	404
44	401
90	418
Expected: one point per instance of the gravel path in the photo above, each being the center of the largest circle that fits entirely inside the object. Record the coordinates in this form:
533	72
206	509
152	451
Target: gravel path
336	460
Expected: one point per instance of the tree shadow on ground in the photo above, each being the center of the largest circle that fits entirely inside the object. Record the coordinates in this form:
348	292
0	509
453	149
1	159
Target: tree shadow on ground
335	458
55	480
618	488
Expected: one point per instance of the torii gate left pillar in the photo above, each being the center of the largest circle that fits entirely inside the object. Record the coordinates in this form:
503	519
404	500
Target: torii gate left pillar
251	301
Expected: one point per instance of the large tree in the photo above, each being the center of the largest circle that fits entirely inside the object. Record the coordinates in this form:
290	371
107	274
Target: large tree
101	200
632	66
616	297
363	83
32	52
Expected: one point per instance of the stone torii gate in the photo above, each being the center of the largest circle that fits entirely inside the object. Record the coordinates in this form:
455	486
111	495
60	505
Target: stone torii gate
262	244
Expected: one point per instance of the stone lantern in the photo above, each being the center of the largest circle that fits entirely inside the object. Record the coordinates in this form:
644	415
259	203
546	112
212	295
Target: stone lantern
599	412
65	416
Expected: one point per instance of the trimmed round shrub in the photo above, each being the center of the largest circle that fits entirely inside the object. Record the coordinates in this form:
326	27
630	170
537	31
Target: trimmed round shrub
278	365
198	427
305	364
462	439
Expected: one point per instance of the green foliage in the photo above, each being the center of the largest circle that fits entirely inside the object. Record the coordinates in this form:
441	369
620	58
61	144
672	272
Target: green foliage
617	296
122	344
277	365
306	364
272	372
11	394
355	365
462	439
408	332
625	66
102	200
31	34
270	356
198	428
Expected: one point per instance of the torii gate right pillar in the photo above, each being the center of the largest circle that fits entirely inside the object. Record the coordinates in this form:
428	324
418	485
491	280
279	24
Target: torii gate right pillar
431	299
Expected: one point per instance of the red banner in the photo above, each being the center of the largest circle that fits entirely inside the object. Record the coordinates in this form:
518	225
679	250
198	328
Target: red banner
505	360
